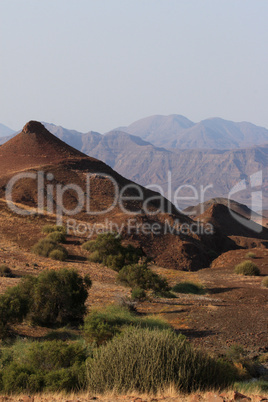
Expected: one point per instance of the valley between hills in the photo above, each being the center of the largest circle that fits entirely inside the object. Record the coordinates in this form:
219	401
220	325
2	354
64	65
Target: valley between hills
229	310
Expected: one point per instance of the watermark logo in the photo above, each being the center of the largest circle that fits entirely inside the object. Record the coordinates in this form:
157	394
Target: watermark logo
255	183
132	226
50	197
131	199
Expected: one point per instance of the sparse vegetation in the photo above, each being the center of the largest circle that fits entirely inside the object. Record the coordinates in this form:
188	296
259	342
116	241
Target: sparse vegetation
139	275
265	282
53	228
149	360
53	298
5	271
247	268
43	366
45	247
259	386
250	255
108	250
57	237
189	287
103	324
58	255
138	294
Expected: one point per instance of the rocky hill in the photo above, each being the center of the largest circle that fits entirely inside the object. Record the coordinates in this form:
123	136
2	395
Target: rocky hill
65	169
217	171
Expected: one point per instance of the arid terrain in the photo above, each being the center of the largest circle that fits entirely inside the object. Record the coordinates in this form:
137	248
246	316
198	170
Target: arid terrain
233	309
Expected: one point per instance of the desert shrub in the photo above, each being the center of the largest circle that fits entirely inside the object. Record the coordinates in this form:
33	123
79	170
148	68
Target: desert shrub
44	248
58	297
5	271
150	360
236	353
89	245
250	255
132	254
106	244
247	268
252	387
247	368
53	228
58	255
52	298
265	282
19	378
108	250
115	262
103	324
139	275
14	306
95	257
57	237
72	379
138	294
44	366
188	287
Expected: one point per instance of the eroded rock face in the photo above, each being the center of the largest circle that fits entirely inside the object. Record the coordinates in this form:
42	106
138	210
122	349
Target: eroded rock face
33	127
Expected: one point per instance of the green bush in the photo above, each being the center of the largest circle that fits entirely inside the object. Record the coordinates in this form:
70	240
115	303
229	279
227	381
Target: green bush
103	324
44	248
138	294
250	255
52	298
5	271
236	353
147	360
14	306
108	250
89	245
95	257
53	228
252	387
57	237
265	282
247	268
43	366
188	287
115	262
139	275
58	298
58	255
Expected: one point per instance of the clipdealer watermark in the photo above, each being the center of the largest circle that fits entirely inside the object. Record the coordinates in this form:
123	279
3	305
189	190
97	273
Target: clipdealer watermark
131	226
50	199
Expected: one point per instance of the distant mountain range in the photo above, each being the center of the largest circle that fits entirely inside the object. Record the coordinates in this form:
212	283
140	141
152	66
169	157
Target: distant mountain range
208	164
177	131
5	131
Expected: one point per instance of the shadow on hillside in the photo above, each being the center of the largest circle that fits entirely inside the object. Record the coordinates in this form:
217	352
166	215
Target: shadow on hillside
76	258
73	242
215	291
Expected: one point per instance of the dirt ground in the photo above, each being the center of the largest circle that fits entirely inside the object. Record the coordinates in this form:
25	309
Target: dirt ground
233	311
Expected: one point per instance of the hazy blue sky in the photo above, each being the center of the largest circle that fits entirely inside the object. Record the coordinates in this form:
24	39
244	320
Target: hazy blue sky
99	64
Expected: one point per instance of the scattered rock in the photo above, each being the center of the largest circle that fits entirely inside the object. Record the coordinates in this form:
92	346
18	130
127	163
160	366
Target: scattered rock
240	397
